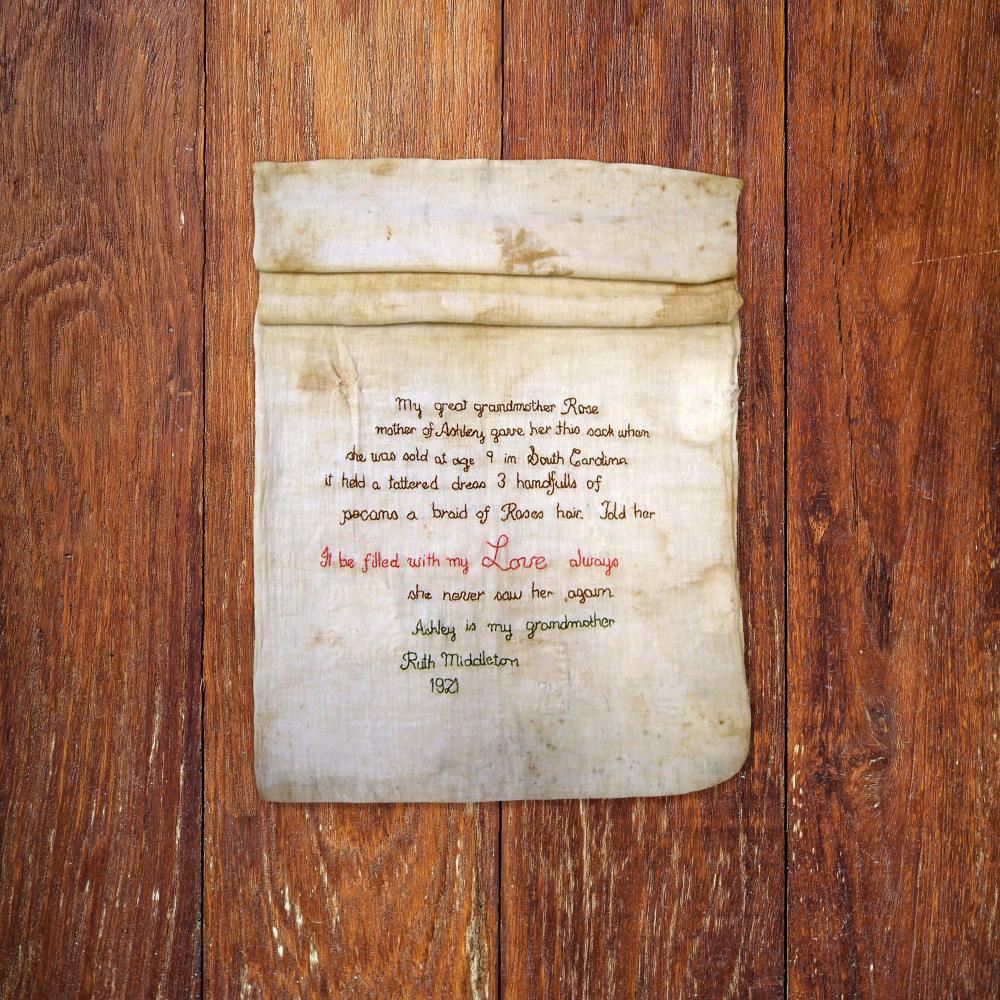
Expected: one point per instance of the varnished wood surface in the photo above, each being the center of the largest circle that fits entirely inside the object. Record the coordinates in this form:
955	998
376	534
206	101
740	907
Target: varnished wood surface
127	412
101	249
893	462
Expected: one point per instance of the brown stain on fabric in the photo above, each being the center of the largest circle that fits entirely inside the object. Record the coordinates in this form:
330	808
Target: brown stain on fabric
299	254
291	262
299	168
320	380
674	310
492	315
523	251
262	175
385	167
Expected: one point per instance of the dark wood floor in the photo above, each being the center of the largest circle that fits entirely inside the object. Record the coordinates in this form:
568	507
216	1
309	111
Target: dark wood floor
858	852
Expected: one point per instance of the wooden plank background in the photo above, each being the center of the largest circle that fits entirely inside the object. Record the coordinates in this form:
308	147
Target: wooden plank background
101	345
893	475
855	855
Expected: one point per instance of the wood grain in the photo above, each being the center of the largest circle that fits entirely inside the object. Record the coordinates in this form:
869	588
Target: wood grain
894	378
681	896
100	553
893	472
339	901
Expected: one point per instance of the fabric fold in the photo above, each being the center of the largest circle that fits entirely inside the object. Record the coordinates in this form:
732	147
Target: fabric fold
490	300
561	218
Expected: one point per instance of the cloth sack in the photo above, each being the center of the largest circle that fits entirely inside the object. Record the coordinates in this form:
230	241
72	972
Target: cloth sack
495	481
